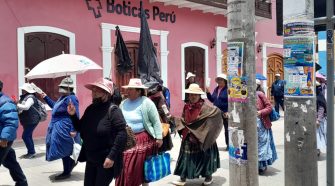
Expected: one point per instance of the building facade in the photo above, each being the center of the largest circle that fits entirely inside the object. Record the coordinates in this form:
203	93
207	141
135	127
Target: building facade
189	36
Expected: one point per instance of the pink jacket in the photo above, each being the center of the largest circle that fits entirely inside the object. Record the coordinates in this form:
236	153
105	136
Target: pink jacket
264	106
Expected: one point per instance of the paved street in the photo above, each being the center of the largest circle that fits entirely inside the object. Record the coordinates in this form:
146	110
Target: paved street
41	173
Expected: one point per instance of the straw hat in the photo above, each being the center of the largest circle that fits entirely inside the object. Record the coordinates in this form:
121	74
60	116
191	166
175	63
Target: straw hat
258	82
221	76
135	83
189	74
277	75
102	83
27	87
194	89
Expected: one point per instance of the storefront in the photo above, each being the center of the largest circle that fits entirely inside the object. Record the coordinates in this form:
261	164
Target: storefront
187	36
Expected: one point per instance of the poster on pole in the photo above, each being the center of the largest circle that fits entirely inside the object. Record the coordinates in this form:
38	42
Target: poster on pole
235	58
301	28
237	146
299	66
237	91
299	81
298	51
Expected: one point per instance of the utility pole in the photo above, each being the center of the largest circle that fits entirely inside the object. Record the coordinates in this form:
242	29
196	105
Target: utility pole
300	105
330	93
243	144
328	21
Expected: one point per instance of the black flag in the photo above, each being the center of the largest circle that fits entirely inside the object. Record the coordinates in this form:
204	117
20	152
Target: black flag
148	69
124	63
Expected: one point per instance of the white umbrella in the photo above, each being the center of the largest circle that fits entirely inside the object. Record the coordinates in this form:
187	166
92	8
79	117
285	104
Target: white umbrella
62	65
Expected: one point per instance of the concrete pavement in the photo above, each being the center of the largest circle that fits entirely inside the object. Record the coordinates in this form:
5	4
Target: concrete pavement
41	173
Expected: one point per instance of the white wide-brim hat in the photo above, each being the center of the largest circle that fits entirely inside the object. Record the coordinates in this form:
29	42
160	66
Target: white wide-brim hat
67	82
135	83
221	76
189	74
194	89
258	82
27	87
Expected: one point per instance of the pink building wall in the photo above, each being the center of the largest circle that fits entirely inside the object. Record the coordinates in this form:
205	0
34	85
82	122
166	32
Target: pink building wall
266	33
73	16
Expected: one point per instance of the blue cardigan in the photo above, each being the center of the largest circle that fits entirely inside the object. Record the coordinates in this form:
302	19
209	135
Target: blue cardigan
222	101
9	119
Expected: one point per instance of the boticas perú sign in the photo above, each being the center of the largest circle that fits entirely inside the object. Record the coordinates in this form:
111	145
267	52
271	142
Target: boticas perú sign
129	8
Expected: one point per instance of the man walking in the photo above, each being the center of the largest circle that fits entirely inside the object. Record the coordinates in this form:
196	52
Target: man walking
8	125
277	91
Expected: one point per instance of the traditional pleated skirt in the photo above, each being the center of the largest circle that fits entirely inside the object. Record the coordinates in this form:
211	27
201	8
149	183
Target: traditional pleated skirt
194	162
321	136
267	153
133	161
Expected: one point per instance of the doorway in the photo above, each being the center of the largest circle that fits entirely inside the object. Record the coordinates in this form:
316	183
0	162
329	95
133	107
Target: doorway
274	66
40	46
195	63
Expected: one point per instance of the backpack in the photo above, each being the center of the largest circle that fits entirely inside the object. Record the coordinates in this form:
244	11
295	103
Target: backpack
41	110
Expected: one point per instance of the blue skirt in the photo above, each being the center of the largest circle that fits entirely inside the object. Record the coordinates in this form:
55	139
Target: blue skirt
267	153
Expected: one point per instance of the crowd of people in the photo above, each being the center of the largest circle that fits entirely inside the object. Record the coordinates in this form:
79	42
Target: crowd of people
102	129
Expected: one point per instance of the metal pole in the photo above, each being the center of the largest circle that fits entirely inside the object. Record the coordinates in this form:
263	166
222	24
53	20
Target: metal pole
330	94
300	108
243	158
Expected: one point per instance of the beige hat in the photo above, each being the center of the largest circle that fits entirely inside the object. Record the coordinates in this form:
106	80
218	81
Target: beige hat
27	87
277	75
194	89
189	74
222	76
102	83
135	83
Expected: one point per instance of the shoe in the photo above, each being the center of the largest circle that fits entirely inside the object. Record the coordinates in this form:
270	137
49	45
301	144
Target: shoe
62	176
73	165
208	180
262	171
28	156
180	182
